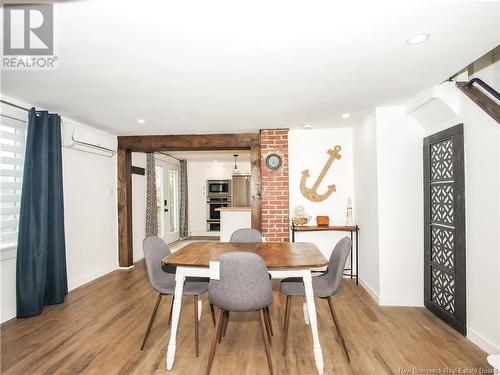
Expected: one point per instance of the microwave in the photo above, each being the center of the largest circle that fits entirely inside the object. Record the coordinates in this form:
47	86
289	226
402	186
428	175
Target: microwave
218	187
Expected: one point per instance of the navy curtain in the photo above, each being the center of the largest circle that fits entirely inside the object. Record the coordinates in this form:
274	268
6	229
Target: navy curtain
41	256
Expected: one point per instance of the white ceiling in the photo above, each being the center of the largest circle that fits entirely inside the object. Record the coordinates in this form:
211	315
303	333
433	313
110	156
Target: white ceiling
213	156
227	66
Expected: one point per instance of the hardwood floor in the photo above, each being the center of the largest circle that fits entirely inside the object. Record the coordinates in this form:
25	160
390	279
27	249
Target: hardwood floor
100	327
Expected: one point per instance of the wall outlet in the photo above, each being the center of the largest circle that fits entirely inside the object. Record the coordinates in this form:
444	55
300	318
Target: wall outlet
214	270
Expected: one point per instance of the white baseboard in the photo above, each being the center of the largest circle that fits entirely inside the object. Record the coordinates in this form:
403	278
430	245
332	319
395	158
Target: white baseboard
401	301
482	341
73	284
371	292
390	301
8	313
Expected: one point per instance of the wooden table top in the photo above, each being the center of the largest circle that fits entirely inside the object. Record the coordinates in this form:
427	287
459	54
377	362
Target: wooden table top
275	254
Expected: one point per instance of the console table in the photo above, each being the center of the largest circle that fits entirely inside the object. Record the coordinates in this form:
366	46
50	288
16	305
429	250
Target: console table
341	228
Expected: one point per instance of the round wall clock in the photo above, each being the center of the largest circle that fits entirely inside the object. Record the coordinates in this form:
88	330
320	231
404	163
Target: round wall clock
273	161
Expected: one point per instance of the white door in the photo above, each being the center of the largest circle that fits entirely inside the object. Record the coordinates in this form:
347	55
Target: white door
167	194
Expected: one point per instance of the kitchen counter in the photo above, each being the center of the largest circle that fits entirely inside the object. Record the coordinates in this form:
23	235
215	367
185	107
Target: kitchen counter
233	209
233	218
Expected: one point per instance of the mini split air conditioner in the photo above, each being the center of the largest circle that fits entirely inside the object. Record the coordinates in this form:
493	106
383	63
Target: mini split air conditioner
84	138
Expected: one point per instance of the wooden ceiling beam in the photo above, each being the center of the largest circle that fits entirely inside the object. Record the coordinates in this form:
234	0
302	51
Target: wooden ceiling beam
188	142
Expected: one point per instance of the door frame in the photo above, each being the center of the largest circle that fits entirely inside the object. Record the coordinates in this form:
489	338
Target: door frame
182	142
458	320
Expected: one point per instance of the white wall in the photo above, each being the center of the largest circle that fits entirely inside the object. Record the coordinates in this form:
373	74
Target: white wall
400	207
366	199
198	174
90	219
482	197
389	206
90	215
482	200
307	149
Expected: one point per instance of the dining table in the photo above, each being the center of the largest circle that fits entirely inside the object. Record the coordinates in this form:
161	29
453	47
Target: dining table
283	259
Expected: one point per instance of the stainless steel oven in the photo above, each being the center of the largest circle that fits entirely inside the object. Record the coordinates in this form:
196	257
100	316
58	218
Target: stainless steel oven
218	188
213	216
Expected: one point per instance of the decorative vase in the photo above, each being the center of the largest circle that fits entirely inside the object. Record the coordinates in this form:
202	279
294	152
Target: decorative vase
349	219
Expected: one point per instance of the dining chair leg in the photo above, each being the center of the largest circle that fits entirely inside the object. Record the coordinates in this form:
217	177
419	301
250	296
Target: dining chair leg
213	314
151	320
196	327
214	339
170	313
226	321
223	318
287	322
344	348
268	314
268	330
266	339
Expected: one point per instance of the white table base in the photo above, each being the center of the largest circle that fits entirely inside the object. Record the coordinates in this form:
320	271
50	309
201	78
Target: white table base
309	307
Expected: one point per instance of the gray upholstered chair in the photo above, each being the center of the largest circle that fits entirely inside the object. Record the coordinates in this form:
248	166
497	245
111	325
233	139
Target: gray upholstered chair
243	285
163	282
324	286
246	235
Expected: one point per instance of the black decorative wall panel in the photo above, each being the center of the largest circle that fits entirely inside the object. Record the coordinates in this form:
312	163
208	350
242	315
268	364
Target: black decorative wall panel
443	290
443	246
444	230
442	201
442	160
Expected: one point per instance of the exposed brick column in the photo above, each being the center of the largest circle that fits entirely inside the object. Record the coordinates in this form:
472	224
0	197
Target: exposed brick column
275	192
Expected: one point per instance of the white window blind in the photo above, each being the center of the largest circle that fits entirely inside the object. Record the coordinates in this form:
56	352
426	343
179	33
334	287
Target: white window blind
13	127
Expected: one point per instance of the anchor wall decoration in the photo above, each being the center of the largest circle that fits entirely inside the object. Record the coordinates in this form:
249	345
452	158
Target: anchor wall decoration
312	193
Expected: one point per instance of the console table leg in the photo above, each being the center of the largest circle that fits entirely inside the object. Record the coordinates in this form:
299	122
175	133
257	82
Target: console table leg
357	256
350	256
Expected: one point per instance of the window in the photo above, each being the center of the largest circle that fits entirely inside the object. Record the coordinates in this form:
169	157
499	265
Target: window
159	200
13	128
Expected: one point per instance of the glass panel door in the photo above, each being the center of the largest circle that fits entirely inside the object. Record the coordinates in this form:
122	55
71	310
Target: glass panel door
168	185
173	199
159	201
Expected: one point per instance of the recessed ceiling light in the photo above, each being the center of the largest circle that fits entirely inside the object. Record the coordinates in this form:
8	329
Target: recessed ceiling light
215	161
308	125
346	115
141	121
417	38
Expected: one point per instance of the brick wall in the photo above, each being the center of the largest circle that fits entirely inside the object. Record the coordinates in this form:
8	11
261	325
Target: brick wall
275	193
